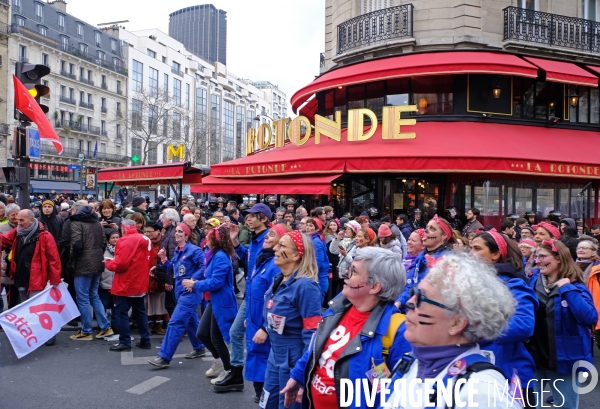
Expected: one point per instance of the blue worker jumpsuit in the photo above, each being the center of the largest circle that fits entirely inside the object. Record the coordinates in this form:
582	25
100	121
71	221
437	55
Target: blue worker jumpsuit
258	284
187	263
298	300
322	261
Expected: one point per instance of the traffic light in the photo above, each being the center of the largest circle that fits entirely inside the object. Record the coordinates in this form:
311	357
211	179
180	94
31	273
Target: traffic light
31	76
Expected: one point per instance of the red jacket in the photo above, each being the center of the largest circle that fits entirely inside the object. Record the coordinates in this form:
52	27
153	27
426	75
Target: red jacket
131	264
45	263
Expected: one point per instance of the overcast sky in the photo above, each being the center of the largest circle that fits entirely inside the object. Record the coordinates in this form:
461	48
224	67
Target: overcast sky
273	40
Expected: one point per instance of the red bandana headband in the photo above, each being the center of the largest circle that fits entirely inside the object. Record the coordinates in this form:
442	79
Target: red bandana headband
500	242
296	237
186	229
551	244
279	229
421	233
215	231
443	226
554	231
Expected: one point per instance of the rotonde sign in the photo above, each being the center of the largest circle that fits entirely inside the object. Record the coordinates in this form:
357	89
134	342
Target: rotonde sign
391	122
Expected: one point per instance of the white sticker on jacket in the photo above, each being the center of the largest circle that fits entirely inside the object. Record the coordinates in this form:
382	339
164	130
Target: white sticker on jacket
276	322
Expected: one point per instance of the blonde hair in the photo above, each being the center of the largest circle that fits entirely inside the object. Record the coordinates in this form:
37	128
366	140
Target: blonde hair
307	266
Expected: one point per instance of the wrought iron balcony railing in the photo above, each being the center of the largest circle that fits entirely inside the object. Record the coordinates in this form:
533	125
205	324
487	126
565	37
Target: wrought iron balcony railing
87	105
67	100
74	153
380	25
551	29
86	80
68	75
77	126
322	60
176	71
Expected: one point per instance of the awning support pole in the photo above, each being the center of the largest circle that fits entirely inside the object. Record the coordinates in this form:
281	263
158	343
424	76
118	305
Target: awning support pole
173	187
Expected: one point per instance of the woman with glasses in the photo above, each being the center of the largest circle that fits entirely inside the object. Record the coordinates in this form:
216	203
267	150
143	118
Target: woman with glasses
221	310
587	255
459	302
508	350
437	239
187	262
365	306
528	247
292	312
258	345
562	323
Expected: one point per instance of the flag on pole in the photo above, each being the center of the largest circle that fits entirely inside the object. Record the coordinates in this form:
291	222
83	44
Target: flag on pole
25	103
95	148
33	322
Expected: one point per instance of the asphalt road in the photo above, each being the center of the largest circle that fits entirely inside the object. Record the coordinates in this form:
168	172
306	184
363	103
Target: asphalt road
85	374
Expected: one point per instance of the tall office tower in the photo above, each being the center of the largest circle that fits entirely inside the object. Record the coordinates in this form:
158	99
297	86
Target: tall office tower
203	30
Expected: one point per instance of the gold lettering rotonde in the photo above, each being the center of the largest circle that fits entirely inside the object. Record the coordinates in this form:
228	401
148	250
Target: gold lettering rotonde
391	123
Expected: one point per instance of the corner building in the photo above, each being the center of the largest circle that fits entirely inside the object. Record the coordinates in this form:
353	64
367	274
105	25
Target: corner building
502	111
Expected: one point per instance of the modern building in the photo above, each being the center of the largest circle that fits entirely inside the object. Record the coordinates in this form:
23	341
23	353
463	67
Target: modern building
275	97
486	104
175	98
88	83
202	30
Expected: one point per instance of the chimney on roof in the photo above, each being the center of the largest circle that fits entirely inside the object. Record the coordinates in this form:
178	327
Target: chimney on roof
59	4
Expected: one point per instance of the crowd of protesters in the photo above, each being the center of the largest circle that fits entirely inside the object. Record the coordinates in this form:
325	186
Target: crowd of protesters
325	298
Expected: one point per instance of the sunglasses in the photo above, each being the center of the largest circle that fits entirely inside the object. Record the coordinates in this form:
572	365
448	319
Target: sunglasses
420	294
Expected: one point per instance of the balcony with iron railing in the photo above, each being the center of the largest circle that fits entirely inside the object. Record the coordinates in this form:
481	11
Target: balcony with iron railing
551	30
74	153
87	105
175	71
67	100
68	75
378	26
119	91
23	59
104	86
78	127
103	110
86	80
5	28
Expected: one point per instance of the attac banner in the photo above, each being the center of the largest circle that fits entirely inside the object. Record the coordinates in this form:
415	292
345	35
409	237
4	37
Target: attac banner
33	322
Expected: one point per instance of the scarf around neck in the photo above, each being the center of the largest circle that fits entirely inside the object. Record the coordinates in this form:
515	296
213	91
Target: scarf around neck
433	359
28	232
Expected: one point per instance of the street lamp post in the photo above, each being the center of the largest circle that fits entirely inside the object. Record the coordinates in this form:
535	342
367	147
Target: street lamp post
81	159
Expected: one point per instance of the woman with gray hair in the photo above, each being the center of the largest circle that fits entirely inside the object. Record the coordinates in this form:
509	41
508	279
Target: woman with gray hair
459	302
12	209
359	333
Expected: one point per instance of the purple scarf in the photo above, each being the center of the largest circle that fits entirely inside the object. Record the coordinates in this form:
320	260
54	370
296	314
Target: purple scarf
409	261
432	360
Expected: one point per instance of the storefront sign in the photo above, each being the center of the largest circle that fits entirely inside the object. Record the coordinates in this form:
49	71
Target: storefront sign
562	169
171	151
391	122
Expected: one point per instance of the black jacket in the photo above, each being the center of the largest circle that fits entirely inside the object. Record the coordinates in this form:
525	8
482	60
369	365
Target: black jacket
87	242
54	224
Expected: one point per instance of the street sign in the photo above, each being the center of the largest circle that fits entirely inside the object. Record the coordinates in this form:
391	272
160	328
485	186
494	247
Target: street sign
81	157
34	143
74	167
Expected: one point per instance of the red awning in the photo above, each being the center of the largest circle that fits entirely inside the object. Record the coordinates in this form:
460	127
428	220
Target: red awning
463	147
565	72
593	68
151	174
308	185
420	64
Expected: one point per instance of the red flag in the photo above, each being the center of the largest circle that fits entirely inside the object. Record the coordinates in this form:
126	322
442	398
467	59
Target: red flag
25	103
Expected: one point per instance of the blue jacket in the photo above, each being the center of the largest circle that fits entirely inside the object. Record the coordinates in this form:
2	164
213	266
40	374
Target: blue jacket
218	282
187	263
356	358
257	286
574	315
299	301
509	348
417	273
406	229
322	262
249	254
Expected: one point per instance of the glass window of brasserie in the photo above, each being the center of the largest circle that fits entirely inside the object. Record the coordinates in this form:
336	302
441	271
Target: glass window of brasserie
587	106
432	94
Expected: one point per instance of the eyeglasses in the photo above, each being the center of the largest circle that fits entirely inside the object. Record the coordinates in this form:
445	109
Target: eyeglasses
420	294
279	245
584	248
350	272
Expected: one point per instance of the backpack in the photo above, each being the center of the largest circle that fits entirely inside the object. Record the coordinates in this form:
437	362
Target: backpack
388	339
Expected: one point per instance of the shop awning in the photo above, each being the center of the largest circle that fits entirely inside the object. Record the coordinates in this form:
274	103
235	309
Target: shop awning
594	68
565	72
463	147
420	64
47	186
308	185
151	174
